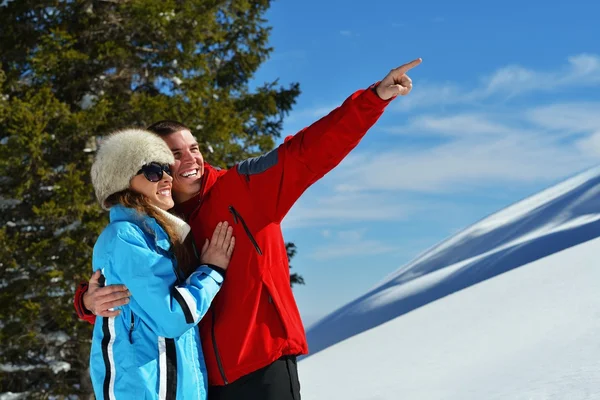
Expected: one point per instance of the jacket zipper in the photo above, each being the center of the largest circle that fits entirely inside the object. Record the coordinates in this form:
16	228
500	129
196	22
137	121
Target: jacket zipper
216	349
131	329
236	217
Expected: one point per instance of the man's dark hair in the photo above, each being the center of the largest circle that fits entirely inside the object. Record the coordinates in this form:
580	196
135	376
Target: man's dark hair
167	127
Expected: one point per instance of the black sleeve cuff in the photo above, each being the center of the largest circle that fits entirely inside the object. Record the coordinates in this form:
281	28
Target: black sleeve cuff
220	270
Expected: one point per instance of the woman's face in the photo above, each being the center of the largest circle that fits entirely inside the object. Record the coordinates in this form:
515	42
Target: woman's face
157	193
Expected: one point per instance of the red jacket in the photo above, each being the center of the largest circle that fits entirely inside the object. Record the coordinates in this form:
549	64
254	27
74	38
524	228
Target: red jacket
254	319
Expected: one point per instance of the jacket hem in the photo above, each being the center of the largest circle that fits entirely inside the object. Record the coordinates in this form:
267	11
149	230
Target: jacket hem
239	372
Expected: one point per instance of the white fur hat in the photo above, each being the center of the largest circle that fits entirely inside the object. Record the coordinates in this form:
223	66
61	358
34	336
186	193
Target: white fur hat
120	157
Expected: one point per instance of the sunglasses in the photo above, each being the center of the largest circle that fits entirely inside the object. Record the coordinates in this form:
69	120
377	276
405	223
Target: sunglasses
154	171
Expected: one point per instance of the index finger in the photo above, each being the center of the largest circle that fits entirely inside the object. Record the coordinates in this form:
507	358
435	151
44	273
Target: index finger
408	66
106	290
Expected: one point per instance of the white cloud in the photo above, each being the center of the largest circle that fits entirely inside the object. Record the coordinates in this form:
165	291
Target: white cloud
426	94
590	145
350	243
354	235
581	70
338	208
310	114
465	165
341	250
511	79
482	150
454	125
567	117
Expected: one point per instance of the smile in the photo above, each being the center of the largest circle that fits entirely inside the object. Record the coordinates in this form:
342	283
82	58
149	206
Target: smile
190	173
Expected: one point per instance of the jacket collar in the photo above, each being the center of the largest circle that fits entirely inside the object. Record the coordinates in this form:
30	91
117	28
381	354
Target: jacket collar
122	213
210	177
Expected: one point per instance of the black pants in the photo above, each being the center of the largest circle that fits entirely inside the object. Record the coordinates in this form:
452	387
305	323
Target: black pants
277	381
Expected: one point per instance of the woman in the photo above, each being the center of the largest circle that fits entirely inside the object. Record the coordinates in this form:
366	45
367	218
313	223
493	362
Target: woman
152	349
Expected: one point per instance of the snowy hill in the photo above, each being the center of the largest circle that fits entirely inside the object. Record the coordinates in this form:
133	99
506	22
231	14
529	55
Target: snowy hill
440	328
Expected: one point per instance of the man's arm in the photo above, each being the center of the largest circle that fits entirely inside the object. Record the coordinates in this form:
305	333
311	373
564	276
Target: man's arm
277	179
93	299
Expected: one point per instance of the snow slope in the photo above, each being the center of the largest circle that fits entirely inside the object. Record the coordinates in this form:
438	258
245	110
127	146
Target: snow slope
440	328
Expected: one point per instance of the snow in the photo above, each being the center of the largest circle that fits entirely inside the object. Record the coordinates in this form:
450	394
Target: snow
87	101
506	309
8	203
13	396
71	227
55	366
16	368
60	366
168	15
58	337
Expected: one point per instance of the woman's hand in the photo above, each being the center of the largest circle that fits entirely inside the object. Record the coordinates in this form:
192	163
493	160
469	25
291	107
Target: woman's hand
218	250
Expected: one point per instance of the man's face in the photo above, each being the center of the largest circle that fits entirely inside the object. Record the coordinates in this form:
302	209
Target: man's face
188	167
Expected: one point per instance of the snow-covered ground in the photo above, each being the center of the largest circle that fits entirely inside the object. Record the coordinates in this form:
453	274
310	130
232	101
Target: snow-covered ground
507	309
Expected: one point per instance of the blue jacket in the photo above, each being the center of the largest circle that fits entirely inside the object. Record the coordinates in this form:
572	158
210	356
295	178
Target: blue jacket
152	349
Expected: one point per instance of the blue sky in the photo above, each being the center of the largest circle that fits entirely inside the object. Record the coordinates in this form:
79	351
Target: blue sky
504	104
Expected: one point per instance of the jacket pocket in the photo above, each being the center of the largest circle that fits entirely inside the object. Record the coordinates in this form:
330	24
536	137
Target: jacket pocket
237	218
132	325
273	305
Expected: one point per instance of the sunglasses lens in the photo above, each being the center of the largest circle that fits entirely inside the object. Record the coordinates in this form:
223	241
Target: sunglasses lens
152	176
167	169
153	172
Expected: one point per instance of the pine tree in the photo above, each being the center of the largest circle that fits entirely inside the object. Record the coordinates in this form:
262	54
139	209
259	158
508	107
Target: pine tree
291	250
71	71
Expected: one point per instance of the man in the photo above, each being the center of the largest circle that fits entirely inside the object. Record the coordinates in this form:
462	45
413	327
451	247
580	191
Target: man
253	332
